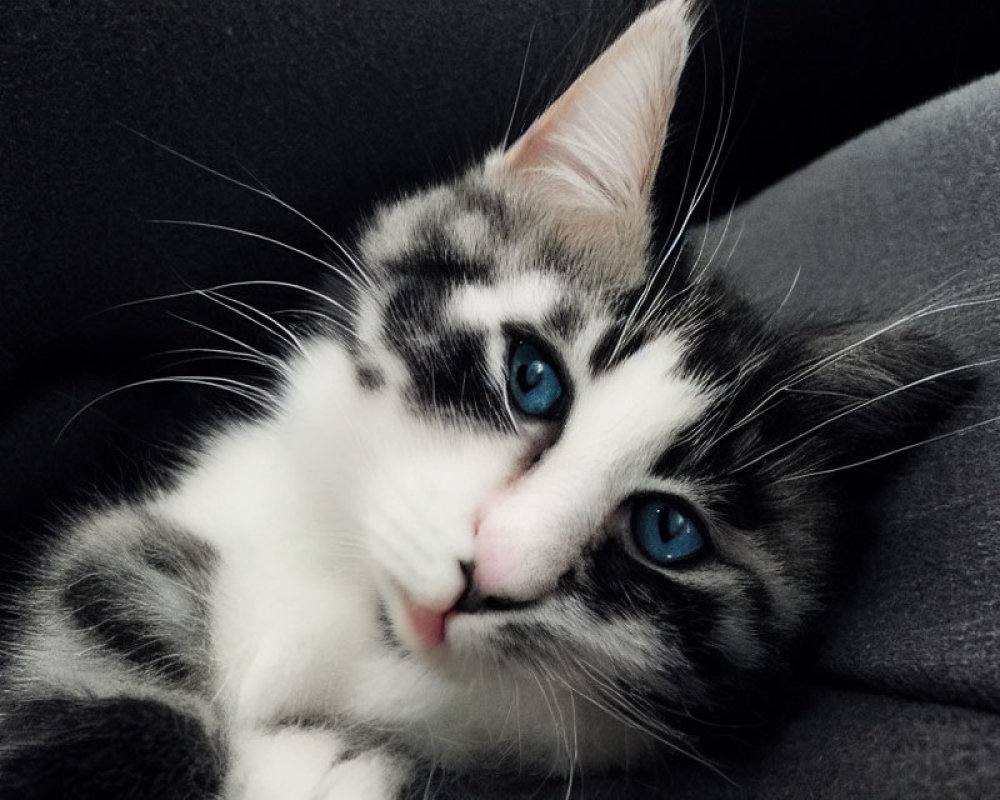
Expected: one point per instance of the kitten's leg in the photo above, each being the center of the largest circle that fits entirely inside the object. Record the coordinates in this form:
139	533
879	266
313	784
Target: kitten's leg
104	677
110	749
312	763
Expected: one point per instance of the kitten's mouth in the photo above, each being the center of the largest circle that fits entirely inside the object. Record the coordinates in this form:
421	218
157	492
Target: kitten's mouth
427	625
427	628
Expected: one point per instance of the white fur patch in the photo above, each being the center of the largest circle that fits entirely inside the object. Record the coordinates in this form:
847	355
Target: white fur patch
523	297
287	763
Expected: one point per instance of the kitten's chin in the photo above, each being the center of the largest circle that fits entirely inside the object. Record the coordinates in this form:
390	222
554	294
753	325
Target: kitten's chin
424	626
444	639
415	628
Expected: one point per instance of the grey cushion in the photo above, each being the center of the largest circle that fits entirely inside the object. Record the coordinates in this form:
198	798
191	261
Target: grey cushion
902	217
874	228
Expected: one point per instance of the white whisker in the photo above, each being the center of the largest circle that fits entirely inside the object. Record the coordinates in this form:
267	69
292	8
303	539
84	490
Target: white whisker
959	432
261	237
864	404
245	390
266	193
832	358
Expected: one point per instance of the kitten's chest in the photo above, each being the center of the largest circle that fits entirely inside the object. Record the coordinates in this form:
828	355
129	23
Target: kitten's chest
288	638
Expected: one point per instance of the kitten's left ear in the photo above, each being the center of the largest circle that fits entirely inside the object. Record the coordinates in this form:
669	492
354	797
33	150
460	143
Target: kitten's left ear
590	160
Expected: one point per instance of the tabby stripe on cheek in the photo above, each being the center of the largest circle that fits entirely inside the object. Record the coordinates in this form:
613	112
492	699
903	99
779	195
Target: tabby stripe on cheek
697	620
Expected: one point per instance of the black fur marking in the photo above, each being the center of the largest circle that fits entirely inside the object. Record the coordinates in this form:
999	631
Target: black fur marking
619	588
146	604
556	256
665	301
175	554
727	335
414	309
451	375
524	641
117	749
350	754
99	601
385	626
488	203
675	461
761	602
616	588
434	259
447	366
370	378
565	320
616	582
604	356
304	722
743	499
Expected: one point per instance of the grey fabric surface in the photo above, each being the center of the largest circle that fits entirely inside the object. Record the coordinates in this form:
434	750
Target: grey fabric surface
874	227
905	698
902	217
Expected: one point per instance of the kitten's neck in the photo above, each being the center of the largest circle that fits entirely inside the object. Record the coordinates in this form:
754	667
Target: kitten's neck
252	486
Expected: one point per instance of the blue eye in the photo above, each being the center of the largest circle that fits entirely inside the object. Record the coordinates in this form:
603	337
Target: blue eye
664	531
535	385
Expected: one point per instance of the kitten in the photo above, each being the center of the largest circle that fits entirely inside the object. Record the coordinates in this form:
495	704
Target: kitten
547	500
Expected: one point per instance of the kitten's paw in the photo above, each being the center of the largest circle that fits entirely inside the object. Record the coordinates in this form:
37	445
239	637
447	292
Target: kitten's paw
311	764
371	775
284	764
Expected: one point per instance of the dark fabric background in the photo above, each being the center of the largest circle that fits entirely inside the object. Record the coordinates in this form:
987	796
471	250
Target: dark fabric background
335	104
331	105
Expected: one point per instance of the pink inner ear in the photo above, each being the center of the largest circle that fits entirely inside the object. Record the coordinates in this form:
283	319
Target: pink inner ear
526	148
589	161
530	148
610	124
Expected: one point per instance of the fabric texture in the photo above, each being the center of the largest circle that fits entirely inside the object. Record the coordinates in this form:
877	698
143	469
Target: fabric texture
332	105
905	698
900	219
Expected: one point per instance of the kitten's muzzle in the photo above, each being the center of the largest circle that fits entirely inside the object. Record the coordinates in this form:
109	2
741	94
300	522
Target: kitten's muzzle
429	625
472	601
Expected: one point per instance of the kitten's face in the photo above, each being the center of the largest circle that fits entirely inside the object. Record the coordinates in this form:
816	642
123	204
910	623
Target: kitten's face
526	427
572	460
523	450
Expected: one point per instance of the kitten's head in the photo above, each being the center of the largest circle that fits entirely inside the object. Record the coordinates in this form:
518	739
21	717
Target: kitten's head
583	465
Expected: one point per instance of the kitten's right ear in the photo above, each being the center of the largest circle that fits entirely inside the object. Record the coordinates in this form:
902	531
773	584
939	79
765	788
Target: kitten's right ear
589	161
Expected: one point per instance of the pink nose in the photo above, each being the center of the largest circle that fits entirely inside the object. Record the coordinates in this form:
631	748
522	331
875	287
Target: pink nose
501	541
494	564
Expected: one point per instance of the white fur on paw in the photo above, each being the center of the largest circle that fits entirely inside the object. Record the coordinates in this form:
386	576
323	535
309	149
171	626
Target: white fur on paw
369	776
288	764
